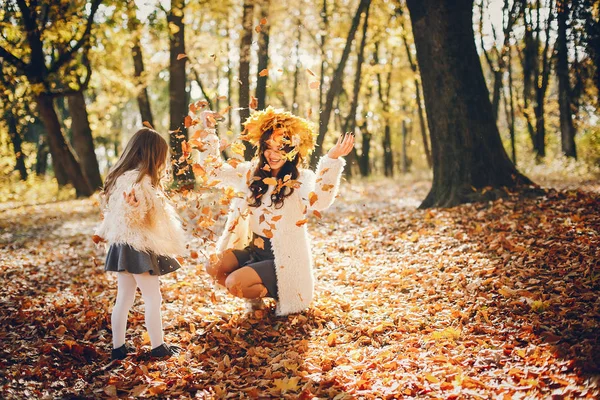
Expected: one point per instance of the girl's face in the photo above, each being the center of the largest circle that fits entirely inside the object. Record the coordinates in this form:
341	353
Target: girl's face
274	155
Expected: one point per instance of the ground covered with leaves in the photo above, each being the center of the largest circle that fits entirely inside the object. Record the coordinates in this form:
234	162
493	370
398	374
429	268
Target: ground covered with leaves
479	301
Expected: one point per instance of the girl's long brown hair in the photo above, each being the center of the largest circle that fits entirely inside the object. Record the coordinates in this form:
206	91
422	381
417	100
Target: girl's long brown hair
259	188
146	151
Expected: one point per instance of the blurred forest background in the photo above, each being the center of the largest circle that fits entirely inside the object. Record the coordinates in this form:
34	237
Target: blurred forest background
78	78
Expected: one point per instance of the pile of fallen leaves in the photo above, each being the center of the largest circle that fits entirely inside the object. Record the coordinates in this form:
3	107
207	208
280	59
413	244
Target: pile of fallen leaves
478	301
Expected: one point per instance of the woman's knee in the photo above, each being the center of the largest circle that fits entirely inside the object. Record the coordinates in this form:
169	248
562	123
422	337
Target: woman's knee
234	284
224	263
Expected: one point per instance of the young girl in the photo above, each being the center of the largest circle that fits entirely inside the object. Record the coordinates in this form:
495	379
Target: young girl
265	249
143	232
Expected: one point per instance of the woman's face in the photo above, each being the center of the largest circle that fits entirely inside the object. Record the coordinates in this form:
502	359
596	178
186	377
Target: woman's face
274	155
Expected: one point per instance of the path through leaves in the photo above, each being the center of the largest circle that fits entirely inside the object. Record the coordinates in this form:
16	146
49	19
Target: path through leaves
478	301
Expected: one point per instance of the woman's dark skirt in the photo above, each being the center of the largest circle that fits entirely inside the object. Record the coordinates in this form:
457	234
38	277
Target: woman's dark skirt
260	260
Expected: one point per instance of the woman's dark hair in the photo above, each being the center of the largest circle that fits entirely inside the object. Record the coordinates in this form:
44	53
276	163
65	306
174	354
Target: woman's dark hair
259	188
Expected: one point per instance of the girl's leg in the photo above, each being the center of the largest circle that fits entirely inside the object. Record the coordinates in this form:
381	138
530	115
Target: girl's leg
125	297
246	283
226	264
150	287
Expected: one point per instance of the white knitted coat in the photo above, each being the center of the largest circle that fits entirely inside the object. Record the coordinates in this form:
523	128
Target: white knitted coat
290	242
153	225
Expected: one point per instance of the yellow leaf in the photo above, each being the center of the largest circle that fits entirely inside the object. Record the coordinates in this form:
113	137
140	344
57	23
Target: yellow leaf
331	339
286	384
431	378
327	188
238	148
270	181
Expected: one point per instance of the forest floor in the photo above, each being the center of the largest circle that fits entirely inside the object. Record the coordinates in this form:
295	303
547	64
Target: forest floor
478	301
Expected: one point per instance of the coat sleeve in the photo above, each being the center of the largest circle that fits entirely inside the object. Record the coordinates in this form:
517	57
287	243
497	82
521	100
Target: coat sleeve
321	187
215	169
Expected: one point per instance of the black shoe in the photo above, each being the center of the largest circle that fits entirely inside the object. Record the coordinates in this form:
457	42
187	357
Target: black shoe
164	351
120	353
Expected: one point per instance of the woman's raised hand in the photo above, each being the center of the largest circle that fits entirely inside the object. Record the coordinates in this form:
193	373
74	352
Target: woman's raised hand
130	198
342	147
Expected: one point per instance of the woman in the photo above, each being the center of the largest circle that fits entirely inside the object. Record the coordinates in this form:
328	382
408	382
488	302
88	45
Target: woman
265	249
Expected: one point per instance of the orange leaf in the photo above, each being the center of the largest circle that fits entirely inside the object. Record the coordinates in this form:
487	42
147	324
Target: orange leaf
310	72
187	121
331	339
312	198
327	187
301	222
198	170
97	239
147	125
259	242
263	21
276	218
258	29
314	85
180	56
253	103
264	72
193	254
270	181
268	233
317	214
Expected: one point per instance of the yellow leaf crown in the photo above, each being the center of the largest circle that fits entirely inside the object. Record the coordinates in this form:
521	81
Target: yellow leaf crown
294	131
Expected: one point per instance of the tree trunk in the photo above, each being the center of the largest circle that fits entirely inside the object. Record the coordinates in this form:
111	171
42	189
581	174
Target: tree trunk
244	76
388	155
83	142
263	55
364	159
405	162
467	150
138	64
496	94
178	98
336	83
16	140
41	160
65	165
511	122
567	129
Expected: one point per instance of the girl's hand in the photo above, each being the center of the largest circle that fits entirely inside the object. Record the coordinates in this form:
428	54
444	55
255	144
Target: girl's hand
131	199
342	147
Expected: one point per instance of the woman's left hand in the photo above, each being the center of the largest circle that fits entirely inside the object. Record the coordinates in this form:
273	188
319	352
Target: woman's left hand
342	147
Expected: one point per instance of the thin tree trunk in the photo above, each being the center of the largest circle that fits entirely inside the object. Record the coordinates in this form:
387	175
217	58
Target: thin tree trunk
404	148
83	141
138	67
467	150
336	83
295	105
512	109
567	129
263	55
178	98
16	140
41	160
388	155
325	31
244	76
65	165
364	159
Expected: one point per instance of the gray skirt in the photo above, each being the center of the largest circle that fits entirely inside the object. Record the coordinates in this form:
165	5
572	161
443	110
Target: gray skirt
123	257
262	261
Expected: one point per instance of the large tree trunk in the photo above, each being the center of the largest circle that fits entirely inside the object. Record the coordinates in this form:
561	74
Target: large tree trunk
567	129
83	142
178	98
336	83
263	54
244	76
467	150
16	140
65	165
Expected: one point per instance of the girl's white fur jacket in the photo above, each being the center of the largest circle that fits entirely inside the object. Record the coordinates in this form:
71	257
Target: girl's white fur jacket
151	226
291	243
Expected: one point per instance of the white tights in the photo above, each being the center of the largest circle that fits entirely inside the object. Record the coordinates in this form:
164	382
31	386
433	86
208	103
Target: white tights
126	286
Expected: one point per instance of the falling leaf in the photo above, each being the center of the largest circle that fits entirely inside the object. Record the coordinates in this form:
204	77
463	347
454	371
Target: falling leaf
317	214
327	188
268	233
301	222
314	85
147	125
259	242
310	72
270	181
253	103
180	56
263	72
312	198
258	29
193	254
263	21
97	239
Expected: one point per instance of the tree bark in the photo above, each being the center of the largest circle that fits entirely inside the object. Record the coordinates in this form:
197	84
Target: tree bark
178	98
365	154
263	55
244	76
83	142
41	159
467	150
65	165
295	105
336	83
142	95
16	140
567	129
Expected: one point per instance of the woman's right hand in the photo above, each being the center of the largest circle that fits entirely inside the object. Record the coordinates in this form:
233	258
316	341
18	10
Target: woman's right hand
130	198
